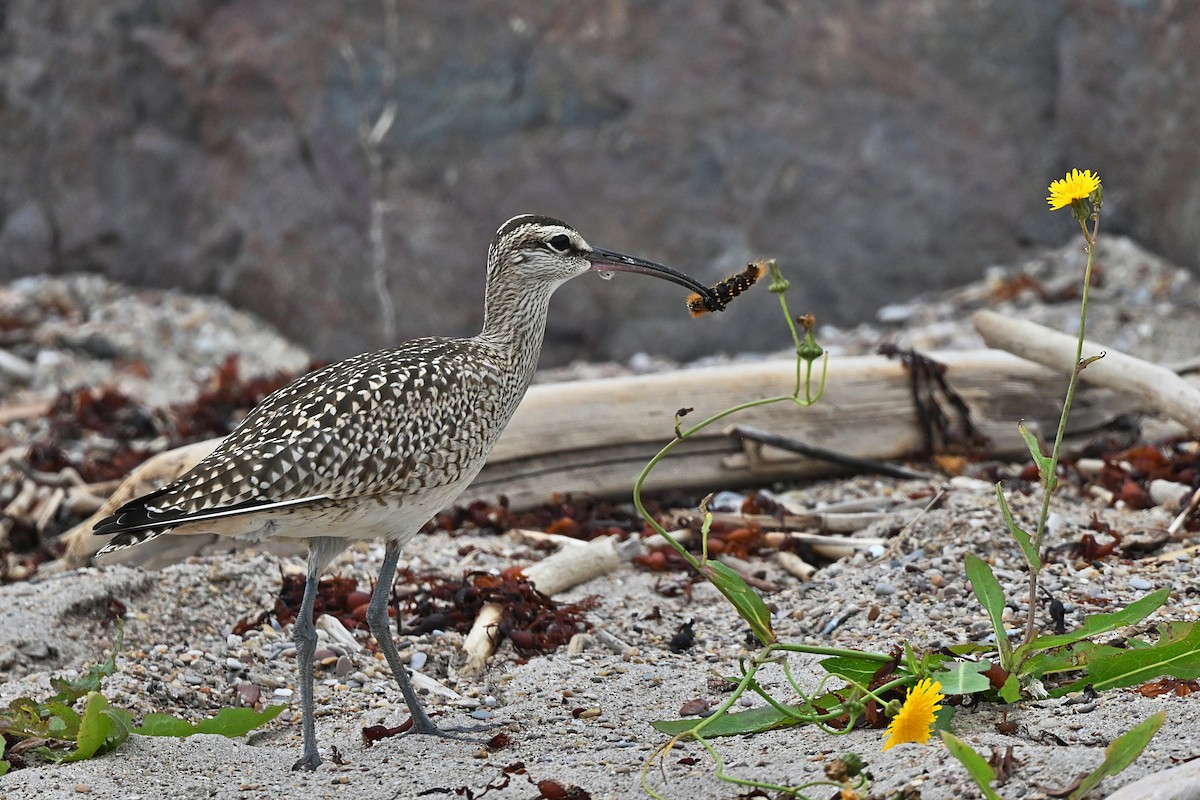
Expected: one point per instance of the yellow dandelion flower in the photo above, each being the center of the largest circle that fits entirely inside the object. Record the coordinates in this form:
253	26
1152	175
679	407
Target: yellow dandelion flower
913	721
1075	186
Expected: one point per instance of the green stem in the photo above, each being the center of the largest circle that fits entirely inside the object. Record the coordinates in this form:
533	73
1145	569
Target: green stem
816	650
803	383
1051	480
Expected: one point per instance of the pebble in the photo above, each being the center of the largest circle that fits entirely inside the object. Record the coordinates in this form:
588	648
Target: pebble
884	588
1140	583
82	788
193	680
283	691
483	713
36	650
418	660
248	694
343	667
1168	493
234	664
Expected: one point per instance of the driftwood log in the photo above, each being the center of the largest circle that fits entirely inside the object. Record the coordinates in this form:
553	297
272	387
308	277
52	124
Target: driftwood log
1156	387
593	437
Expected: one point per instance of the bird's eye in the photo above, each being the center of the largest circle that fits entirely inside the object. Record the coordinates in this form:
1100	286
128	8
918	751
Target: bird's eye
560	243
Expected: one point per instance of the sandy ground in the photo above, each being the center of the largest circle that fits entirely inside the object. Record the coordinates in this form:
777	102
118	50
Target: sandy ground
177	650
583	720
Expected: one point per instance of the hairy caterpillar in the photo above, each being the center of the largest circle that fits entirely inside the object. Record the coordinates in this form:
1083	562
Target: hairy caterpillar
722	294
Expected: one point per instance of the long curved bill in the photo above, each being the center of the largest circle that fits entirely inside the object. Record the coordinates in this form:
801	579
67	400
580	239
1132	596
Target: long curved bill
610	261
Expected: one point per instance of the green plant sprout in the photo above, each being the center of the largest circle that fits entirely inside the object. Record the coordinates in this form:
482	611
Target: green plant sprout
857	681
52	731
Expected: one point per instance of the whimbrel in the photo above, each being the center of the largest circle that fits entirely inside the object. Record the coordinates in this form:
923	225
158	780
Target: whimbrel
374	446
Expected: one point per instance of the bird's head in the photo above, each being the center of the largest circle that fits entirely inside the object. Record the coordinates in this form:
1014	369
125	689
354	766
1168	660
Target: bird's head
536	248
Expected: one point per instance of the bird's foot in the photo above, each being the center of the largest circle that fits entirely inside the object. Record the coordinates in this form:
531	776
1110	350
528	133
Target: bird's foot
308	762
424	726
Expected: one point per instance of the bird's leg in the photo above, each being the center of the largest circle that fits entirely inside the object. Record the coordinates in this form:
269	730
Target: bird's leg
321	550
377	619
304	634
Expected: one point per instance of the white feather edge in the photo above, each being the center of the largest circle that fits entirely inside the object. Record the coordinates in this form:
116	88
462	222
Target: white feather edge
220	513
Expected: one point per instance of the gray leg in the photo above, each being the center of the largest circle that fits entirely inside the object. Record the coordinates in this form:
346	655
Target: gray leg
321	551
377	619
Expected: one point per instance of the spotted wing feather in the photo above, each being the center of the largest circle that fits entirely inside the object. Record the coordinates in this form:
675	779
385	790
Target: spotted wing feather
390	422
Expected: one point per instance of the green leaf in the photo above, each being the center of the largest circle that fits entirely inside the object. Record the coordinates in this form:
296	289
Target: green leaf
943	717
1179	658
1045	464
159	724
991	597
855	670
977	766
747	602
964	677
1122	752
100	729
756	720
3	764
61	720
1010	692
1072	658
227	722
970	649
1023	539
1095	624
232	722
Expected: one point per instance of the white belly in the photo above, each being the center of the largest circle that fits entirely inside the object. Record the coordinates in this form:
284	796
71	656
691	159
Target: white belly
392	517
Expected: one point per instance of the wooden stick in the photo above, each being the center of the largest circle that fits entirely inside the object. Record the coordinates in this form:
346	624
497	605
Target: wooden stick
481	640
795	565
869	466
574	565
1157	387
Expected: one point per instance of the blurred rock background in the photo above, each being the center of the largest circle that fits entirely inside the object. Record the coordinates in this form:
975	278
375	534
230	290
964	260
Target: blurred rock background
878	150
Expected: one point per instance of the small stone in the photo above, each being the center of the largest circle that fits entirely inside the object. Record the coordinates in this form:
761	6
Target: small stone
1168	493
884	588
283	691
343	667
36	650
234	664
483	713
590	713
1140	584
361	677
248	694
82	788
418	660
193	680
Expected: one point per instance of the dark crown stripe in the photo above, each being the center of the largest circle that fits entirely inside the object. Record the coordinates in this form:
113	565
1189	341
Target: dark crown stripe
527	219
